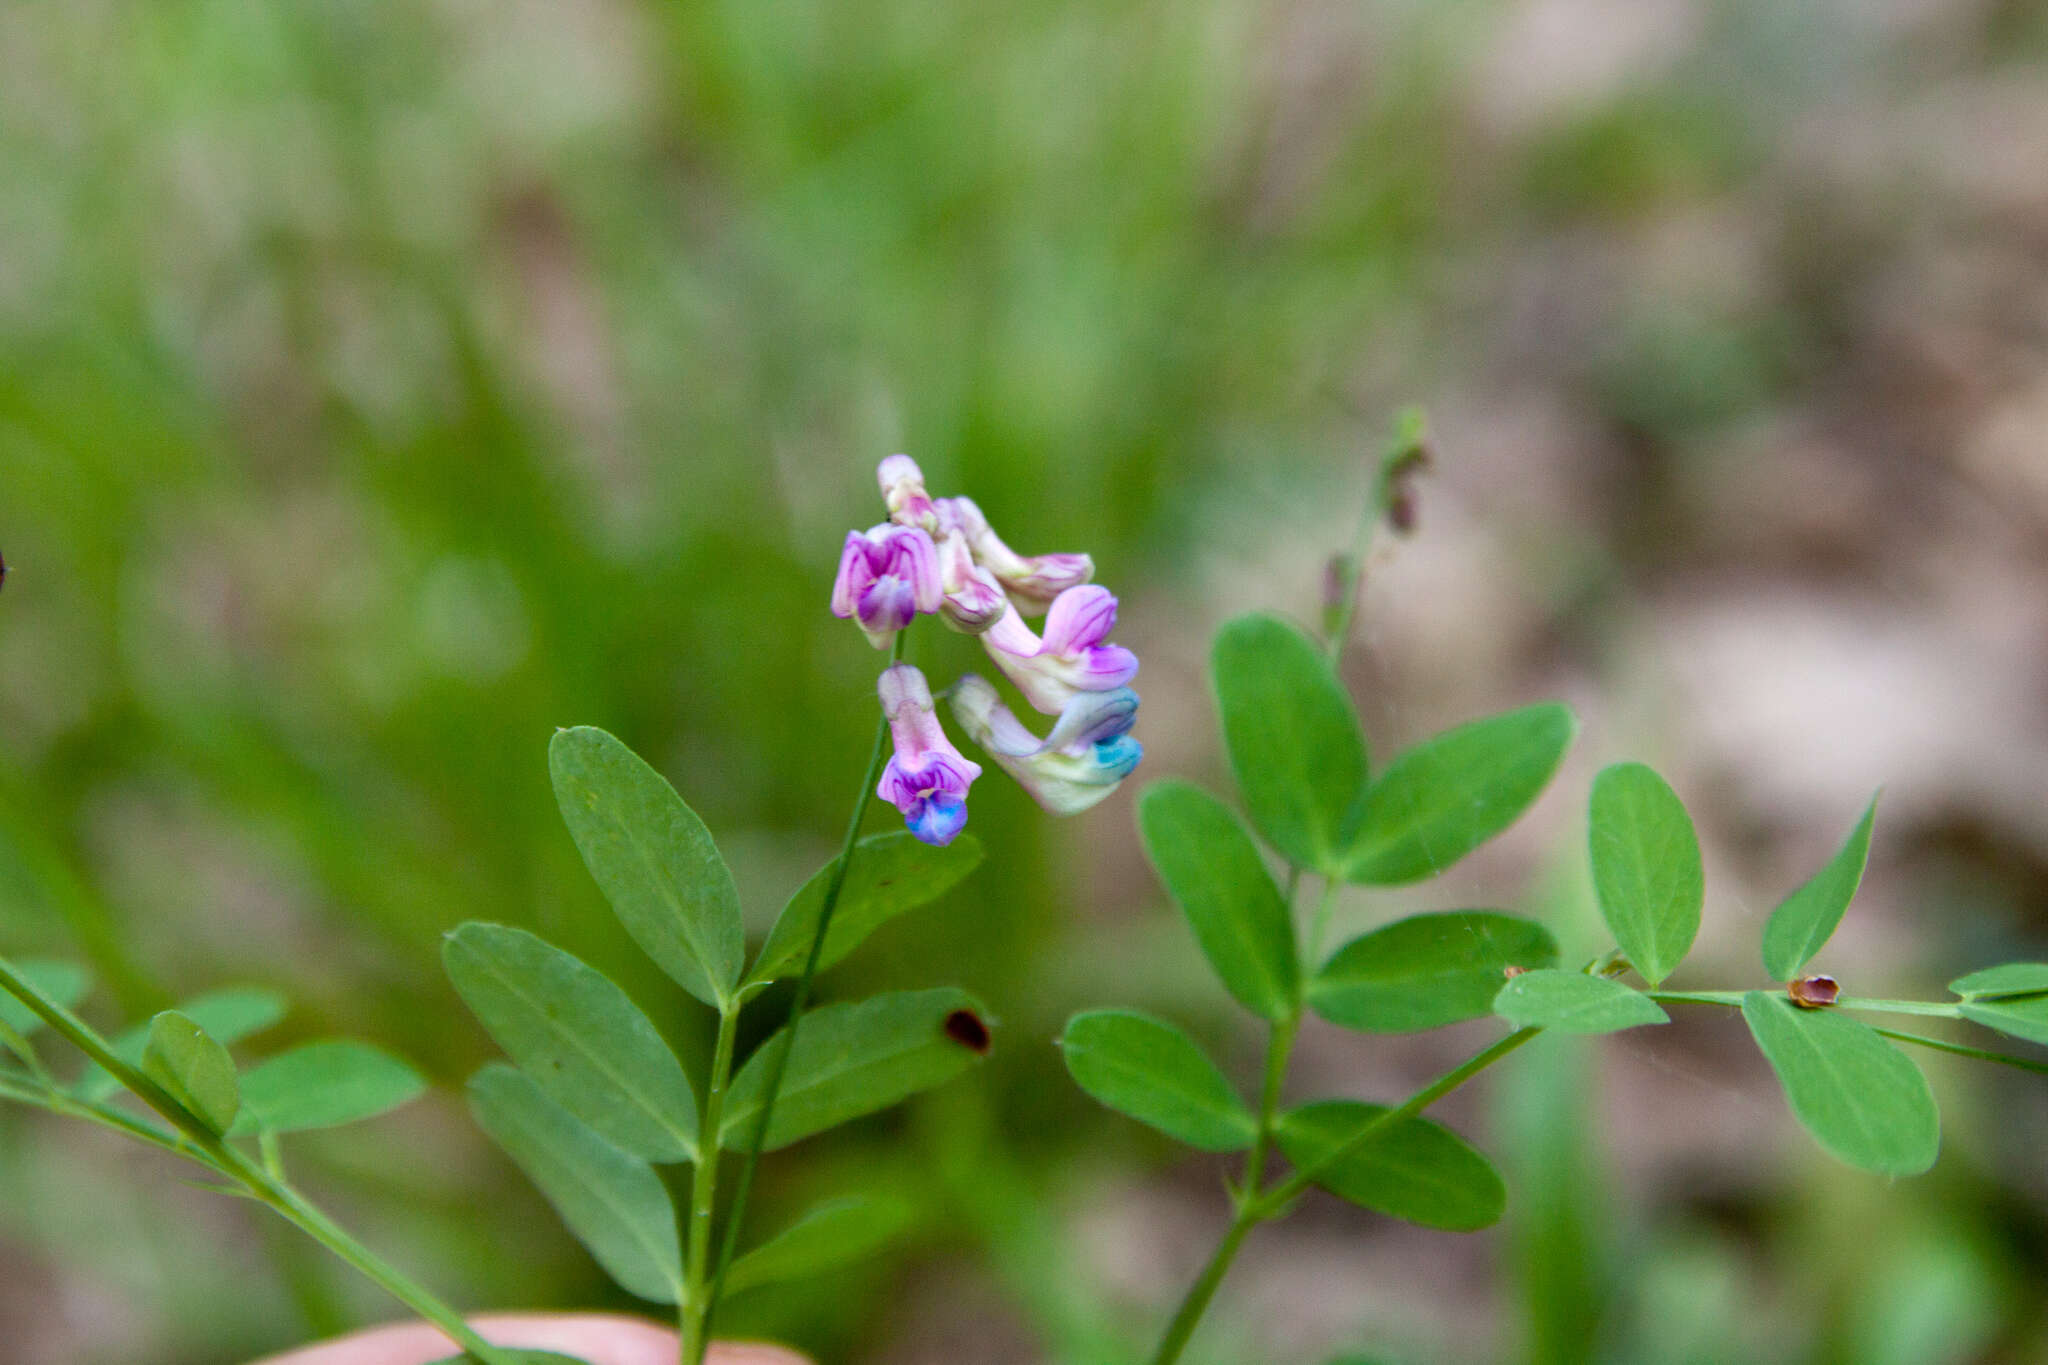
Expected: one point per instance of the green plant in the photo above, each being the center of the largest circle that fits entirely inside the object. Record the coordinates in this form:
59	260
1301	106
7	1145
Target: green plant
1300	760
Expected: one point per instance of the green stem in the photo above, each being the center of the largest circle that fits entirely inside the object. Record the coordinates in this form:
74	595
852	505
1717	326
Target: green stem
695	1309
1931	1009
1189	1315
1407	436
1733	1000
214	1153
1268	1204
127	1125
20	1046
778	1065
1279	1047
1964	1050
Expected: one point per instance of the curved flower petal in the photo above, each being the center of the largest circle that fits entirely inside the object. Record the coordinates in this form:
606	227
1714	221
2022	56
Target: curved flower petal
927	778
1087	756
973	601
1070	660
887	575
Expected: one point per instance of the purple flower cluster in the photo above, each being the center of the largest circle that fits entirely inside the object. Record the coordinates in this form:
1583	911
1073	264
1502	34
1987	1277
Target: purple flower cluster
940	556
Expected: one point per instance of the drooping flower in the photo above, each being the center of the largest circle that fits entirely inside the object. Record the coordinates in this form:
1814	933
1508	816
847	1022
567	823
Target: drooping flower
903	489
973	600
1089	752
1033	581
927	778
887	575
1070	659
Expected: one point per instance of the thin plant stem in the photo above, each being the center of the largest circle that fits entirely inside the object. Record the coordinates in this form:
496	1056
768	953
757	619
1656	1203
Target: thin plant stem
1189	1315
695	1319
1408	435
1964	1050
778	1065
213	1152
1267	1204
25	1050
1279	1048
1932	1009
127	1125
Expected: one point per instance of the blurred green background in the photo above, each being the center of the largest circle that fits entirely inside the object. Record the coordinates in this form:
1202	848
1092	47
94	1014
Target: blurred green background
384	385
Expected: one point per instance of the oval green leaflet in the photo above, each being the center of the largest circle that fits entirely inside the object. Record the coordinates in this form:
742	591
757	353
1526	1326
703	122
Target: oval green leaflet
891	874
1412	1169
1441	799
854	1059
654	859
1149	1070
194	1068
1861	1098
227	1016
615	1203
1573	1002
1427	970
325	1084
1806	919
1293	737
1214	873
834	1233
1646	867
578	1035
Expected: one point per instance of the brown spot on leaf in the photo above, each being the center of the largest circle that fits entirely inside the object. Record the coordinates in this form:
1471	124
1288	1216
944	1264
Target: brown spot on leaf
965	1028
1512	972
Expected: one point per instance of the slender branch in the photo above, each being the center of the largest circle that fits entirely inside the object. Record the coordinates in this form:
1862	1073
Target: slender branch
1407	439
1270	1203
695	1308
1189	1314
70	1106
1964	1050
778	1065
213	1151
1279	1048
1932	1009
21	1047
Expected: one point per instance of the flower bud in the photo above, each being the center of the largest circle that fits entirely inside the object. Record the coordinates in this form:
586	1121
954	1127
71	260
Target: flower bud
887	575
927	778
903	489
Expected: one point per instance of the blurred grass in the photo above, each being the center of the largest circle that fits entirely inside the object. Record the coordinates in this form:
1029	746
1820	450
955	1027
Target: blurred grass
381	387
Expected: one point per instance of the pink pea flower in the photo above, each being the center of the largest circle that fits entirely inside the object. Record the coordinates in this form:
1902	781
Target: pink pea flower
973	600
1071	658
903	489
1033	581
927	778
887	575
1087	755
